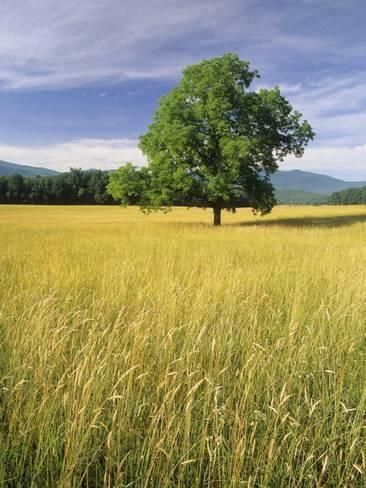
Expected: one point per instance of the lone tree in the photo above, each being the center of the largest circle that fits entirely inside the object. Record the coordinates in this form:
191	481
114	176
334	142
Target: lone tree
213	143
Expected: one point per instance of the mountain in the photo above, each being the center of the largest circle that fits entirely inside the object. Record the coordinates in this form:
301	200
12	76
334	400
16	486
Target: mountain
305	181
7	169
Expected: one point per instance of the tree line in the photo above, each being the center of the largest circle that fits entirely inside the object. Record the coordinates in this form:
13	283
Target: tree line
351	196
75	187
96	187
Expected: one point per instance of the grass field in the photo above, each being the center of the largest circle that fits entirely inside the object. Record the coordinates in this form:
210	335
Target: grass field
158	351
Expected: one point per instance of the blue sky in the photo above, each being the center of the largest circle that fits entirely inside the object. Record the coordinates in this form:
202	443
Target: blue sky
79	81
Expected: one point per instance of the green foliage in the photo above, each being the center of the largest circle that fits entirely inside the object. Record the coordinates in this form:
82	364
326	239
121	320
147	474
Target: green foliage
74	187
351	196
298	197
214	143
129	184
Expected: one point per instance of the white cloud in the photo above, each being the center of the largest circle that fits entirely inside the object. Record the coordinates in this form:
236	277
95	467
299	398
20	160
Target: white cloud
288	88
327	95
84	153
342	162
335	108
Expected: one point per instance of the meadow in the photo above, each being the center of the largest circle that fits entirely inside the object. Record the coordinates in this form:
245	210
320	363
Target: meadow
159	351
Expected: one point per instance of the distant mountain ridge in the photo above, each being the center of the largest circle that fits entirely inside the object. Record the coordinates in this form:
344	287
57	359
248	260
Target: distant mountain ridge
305	181
7	169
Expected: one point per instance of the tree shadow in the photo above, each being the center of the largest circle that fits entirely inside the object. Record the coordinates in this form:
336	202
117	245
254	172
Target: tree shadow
308	221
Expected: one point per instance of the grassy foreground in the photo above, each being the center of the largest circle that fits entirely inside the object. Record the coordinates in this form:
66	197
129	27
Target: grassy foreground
159	351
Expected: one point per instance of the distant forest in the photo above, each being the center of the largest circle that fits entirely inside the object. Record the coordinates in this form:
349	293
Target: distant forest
78	187
75	187
351	196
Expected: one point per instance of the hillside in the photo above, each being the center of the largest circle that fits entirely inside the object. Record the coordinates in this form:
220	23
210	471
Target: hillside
7	169
305	181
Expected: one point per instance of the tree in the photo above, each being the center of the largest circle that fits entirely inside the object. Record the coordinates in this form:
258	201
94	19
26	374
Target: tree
74	187
213	143
16	188
130	185
350	196
98	181
3	189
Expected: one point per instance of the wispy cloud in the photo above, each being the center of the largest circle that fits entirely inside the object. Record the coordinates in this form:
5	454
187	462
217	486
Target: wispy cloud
336	107
47	44
54	44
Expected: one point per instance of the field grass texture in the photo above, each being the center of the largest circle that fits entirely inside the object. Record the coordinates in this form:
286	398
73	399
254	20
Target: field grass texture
159	351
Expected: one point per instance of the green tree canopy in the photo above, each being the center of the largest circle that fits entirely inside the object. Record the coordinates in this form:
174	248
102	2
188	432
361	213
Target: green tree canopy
130	185
215	143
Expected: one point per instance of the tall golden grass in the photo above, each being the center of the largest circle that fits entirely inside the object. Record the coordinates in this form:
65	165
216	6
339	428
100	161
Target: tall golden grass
158	351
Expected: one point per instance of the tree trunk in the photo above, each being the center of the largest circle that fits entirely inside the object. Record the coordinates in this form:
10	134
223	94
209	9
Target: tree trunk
217	215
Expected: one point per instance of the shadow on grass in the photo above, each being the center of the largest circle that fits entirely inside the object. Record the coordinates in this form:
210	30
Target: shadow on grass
329	221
